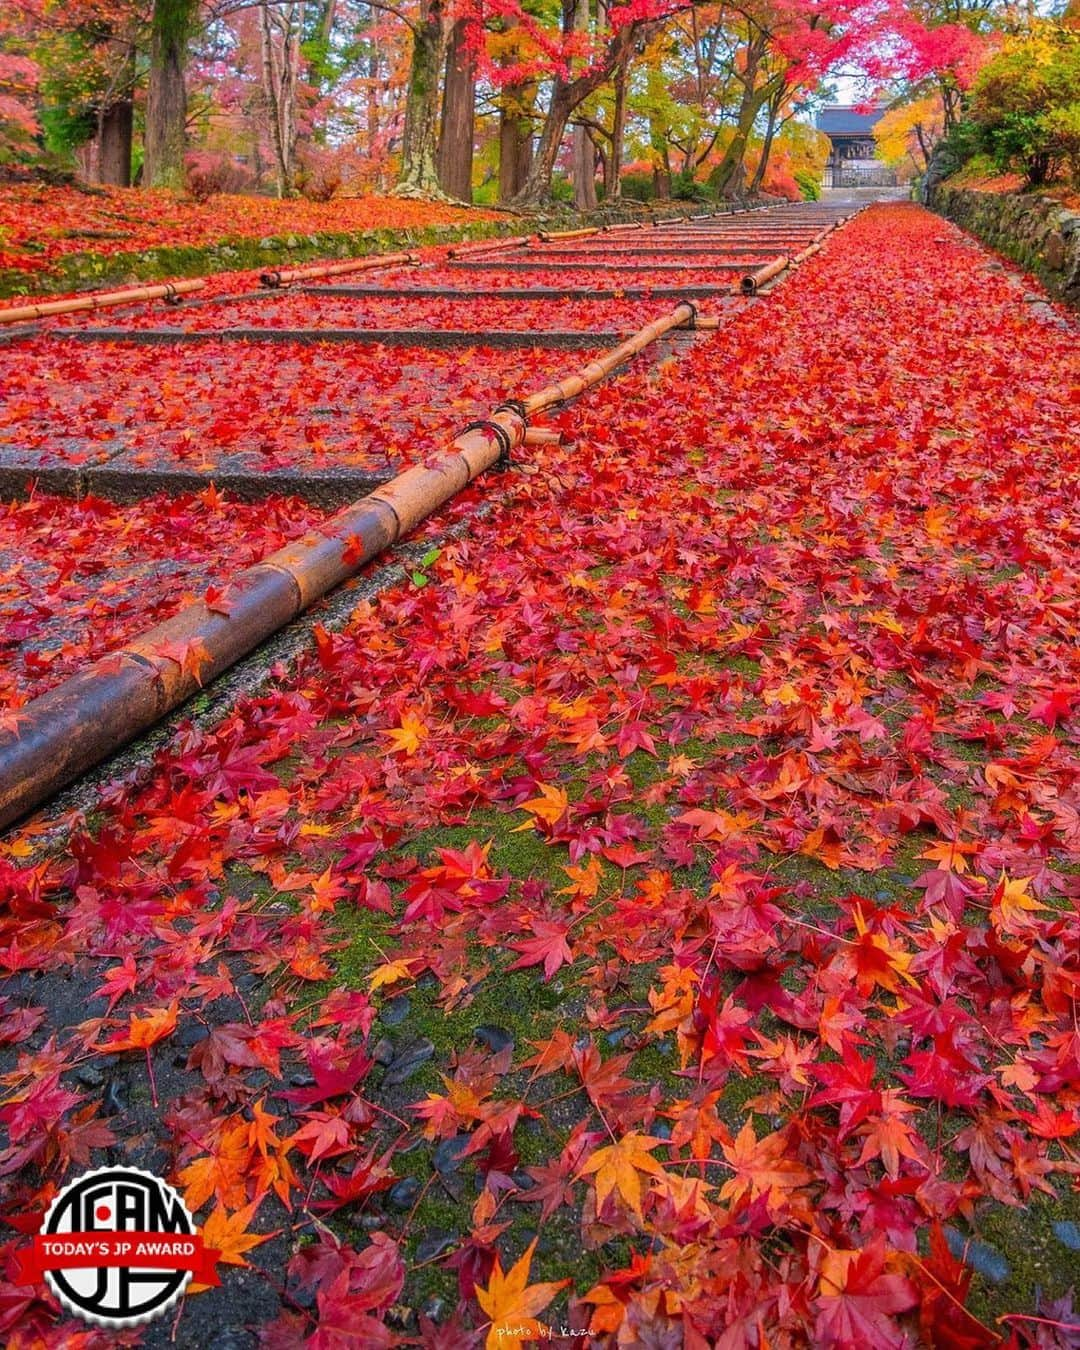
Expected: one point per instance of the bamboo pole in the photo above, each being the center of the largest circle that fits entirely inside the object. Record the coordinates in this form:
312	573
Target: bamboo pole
546	236
101	300
62	733
596	370
751	282
802	257
487	246
282	278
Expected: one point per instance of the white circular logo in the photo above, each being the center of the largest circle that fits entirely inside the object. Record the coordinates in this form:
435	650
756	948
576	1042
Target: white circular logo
118	1248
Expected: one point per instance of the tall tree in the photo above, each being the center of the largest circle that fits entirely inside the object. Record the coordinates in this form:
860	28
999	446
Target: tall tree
419	169
516	102
171	27
19	75
617	139
457	131
584	153
280	29
567	94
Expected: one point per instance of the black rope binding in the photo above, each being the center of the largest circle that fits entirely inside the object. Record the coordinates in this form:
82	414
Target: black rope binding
513	405
170	297
501	435
691	322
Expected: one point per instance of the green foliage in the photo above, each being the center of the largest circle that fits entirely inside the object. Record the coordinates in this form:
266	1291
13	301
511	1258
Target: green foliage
65	128
1063	128
638	187
684	188
1026	104
69	90
809	184
957	149
420	576
562	190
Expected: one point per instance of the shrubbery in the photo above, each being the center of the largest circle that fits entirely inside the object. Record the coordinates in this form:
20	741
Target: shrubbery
685	188
1025	106
208	175
638	187
320	174
809	184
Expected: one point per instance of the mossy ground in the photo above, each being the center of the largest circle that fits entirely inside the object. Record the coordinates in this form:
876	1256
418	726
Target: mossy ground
91	271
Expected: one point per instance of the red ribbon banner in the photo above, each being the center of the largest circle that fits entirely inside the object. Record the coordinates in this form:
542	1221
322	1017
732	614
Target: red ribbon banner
142	1251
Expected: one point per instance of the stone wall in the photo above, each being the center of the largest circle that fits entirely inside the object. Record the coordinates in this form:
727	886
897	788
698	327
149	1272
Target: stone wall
1037	232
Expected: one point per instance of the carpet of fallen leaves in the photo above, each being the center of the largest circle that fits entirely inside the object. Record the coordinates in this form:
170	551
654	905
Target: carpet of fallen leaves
252	407
78	578
39	223
656	916
309	309
604	276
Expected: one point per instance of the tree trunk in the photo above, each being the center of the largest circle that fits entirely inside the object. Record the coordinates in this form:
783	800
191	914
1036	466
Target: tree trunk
515	139
280	33
516	103
729	173
114	144
583	161
584	171
660	146
564	99
455	158
372	120
280	29
766	147
537	185
166	97
419	175
613	164
270	100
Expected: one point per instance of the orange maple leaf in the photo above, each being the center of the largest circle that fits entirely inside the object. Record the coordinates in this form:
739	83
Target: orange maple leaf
390	972
619	1166
889	1137
223	1171
762	1167
550	806
192	656
144	1032
878	959
512	1303
1011	906
227	1234
407	738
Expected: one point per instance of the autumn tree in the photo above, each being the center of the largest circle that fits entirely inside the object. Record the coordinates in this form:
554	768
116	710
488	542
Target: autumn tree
88	51
937	46
1026	103
19	77
281	28
570	86
171	28
515	101
419	167
784	47
454	157
908	134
